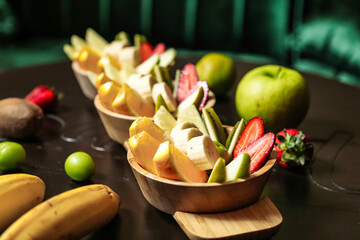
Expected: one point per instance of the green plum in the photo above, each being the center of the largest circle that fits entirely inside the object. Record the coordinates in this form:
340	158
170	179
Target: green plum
12	154
79	166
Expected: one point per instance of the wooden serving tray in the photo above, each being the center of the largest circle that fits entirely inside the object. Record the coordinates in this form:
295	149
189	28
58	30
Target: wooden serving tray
261	220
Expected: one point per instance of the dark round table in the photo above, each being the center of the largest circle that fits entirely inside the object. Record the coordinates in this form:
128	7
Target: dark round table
323	203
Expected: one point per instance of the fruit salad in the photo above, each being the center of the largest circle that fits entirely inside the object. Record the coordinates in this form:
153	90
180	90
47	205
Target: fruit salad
134	79
195	147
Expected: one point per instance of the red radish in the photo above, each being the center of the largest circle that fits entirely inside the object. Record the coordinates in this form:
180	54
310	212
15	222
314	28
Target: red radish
254	129
259	151
44	97
146	50
159	49
188	79
293	148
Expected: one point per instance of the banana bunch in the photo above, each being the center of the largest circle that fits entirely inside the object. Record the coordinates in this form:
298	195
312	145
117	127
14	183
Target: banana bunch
18	193
69	215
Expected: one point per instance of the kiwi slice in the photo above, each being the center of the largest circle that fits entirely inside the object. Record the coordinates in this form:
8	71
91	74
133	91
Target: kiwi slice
222	151
214	125
234	136
162	75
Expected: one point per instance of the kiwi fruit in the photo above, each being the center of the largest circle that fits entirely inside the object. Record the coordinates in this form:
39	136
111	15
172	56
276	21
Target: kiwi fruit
19	118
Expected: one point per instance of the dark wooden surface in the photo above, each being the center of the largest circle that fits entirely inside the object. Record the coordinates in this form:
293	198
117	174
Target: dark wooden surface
323	203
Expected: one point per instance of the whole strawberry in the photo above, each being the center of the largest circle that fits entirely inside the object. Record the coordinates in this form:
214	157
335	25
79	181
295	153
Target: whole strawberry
44	97
294	150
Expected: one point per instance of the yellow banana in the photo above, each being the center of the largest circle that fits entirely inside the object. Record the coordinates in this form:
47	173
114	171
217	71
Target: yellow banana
18	193
69	215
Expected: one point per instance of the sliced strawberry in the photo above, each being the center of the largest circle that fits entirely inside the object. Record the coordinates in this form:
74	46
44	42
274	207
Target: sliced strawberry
188	80
260	150
146	50
205	87
253	130
159	49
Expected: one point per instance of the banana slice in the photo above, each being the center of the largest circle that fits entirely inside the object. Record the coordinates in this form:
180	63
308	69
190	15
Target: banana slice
143	84
129	56
163	89
181	126
202	151
184	136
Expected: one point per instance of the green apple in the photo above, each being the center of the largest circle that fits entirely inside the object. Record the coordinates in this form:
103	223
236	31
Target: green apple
279	95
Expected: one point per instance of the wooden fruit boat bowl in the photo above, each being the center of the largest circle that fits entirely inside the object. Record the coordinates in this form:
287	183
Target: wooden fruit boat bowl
170	196
214	210
87	88
117	125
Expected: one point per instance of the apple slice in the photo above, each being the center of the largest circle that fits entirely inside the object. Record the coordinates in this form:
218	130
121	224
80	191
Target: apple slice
163	89
194	99
202	151
160	102
147	66
218	174
239	167
191	114
167	57
214	125
123	37
164	119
